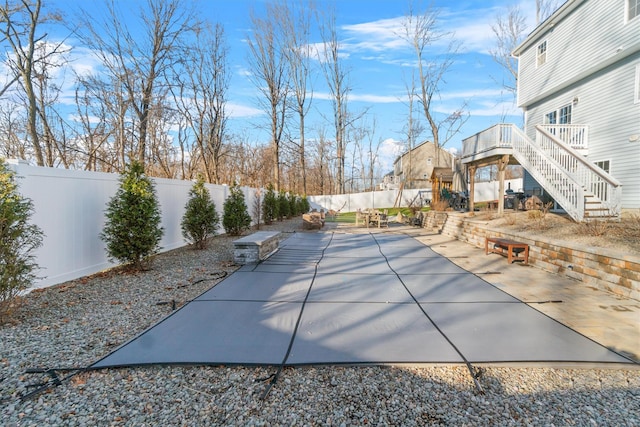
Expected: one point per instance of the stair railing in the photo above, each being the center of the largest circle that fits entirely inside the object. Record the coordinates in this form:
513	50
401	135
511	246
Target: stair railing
595	180
548	172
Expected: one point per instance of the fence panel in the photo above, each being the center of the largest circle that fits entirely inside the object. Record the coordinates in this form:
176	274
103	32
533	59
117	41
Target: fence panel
69	207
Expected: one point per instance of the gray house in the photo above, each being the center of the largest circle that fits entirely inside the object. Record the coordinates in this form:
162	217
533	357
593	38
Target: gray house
579	87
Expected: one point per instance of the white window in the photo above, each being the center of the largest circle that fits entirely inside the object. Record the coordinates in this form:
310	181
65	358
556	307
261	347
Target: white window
551	118
633	9
604	165
541	53
565	115
561	116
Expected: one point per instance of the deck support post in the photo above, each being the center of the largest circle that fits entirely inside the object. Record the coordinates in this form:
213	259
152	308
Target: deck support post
502	166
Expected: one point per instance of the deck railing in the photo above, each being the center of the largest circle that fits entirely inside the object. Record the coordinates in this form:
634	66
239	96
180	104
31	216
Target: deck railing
552	160
497	136
575	136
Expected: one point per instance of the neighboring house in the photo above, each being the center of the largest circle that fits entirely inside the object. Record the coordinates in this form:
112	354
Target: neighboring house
414	167
579	87
388	182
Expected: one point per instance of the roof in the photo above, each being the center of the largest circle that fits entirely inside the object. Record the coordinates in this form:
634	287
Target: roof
444	174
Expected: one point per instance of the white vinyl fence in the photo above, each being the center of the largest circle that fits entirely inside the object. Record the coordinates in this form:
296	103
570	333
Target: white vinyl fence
69	207
372	199
483	191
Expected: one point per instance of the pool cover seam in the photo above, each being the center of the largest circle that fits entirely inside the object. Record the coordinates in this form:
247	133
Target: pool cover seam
295	329
472	370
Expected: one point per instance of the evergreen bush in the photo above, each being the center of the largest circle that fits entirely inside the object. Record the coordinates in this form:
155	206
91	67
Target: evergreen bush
303	205
18	239
293	205
270	205
200	219
235	219
132	230
283	206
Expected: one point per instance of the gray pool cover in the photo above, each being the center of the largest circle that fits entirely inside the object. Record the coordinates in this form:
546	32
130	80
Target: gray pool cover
329	298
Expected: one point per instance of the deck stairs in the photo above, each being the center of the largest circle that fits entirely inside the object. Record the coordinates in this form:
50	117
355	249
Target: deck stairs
583	190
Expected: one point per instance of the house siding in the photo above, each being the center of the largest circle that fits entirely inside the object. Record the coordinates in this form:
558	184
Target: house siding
592	33
588	35
422	159
606	104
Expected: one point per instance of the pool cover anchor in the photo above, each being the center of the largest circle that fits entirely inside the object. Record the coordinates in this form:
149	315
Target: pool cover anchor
55	379
476	374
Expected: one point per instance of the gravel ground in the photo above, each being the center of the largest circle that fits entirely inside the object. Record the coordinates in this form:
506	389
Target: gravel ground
74	324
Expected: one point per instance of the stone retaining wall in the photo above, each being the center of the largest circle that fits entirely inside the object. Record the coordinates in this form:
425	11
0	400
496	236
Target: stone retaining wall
601	268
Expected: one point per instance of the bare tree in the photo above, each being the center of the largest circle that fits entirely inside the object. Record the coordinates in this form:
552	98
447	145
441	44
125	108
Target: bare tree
413	129
103	98
321	182
509	30
95	134
545	8
297	17
30	57
200	93
12	132
137	63
337	79
245	163
269	67
421	32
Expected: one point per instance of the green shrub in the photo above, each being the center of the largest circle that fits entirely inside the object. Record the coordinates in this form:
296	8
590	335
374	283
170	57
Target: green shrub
303	205
270	205
293	204
200	219
132	230
235	219
283	206
18	239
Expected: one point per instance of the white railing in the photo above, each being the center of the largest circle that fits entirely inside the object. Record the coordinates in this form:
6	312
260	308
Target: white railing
497	136
549	173
594	180
575	136
552	160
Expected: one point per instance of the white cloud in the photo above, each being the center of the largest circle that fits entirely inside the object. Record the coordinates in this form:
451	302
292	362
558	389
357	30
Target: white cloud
376	36
242	111
501	109
83	61
244	72
388	151
363	97
471	93
472	29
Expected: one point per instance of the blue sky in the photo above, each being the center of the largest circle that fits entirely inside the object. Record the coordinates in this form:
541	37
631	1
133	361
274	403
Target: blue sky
377	64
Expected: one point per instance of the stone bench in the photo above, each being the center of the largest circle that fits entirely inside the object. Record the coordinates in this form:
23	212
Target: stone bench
255	247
